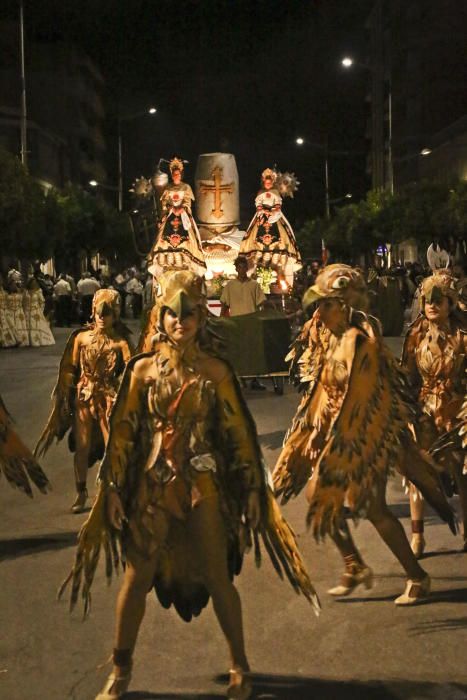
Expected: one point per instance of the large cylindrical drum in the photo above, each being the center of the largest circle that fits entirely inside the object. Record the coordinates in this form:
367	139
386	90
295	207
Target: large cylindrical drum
216	191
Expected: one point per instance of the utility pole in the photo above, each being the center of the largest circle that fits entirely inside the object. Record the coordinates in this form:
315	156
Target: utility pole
24	127
326	180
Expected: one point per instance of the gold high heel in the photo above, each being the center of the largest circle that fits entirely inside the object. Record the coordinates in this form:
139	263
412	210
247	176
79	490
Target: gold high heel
79	504
415	591
240	687
351	579
115	686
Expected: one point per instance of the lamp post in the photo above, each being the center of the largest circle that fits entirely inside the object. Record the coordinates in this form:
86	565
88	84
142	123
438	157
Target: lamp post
300	141
24	124
323	147
125	118
348	62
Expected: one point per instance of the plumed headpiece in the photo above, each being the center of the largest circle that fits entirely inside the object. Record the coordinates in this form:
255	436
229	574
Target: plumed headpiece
106	301
440	284
339	281
269	173
181	292
176	164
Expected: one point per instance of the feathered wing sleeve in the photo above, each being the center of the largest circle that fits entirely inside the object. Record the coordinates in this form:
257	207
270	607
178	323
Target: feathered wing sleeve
306	358
238	436
61	416
364	442
408	359
238	433
16	461
369	439
97	533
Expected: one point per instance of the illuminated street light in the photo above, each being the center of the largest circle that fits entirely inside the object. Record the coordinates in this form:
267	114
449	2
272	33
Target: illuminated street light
348	196
300	141
425	151
93	183
347	62
121	119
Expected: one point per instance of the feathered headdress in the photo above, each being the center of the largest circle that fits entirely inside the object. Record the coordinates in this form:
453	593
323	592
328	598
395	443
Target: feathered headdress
440	284
106	300
181	292
339	281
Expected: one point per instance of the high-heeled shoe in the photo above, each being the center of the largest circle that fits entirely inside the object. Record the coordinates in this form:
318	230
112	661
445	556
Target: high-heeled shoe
417	544
79	504
115	686
240	687
351	579
415	591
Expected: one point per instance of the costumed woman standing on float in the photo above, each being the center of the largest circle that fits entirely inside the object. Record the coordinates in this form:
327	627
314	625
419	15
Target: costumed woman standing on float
88	379
183	489
270	240
351	431
178	243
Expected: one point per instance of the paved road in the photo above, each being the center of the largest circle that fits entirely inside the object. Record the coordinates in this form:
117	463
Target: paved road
362	647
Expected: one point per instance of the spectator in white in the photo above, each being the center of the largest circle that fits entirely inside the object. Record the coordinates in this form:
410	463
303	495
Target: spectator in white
148	294
135	288
87	287
63	301
437	255
243	296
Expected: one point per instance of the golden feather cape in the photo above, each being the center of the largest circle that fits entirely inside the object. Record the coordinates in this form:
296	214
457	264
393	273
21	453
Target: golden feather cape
17	463
368	436
133	448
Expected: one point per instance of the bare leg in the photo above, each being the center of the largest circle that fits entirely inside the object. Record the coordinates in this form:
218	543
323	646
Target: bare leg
417	508
391	531
356	571
83	433
209	539
461	480
131	600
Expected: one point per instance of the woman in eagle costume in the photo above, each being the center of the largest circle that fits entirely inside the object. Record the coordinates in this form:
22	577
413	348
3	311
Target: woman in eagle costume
351	431
183	489
89	375
434	355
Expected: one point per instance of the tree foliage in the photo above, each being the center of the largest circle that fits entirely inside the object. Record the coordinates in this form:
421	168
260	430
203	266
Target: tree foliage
66	223
423	211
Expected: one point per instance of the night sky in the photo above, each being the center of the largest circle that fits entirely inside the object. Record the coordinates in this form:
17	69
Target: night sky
243	76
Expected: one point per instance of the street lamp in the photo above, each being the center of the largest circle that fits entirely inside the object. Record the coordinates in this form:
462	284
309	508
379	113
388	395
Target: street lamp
348	62
324	147
425	151
126	118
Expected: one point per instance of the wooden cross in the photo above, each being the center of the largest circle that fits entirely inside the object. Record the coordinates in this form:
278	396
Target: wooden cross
217	189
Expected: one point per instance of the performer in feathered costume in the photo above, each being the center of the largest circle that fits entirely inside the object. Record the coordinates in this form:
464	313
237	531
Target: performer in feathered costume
434	355
17	463
183	489
88	379
178	243
351	431
270	240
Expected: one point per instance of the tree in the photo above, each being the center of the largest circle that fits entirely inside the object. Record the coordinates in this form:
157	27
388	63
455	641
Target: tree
423	211
22	213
